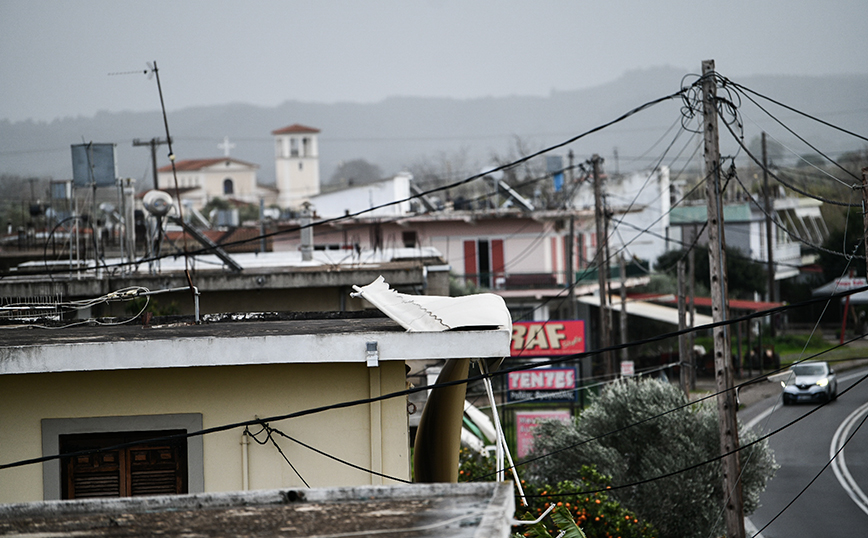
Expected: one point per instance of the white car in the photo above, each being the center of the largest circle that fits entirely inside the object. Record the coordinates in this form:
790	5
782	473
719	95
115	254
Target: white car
811	382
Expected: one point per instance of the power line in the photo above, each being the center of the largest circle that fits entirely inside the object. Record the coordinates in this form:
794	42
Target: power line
467	180
335	458
268	431
719	457
745	89
774	219
803	159
401	393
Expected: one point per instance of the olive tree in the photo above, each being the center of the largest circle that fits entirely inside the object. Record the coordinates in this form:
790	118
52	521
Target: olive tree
631	433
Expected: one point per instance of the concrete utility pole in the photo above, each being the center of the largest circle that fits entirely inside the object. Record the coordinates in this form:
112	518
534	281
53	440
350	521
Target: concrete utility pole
605	338
726	404
154	142
769	247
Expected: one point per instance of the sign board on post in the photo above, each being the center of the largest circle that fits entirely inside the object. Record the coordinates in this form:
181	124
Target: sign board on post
547	338
526	422
627	368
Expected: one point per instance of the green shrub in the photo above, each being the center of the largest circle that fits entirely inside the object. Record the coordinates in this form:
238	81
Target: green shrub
687	504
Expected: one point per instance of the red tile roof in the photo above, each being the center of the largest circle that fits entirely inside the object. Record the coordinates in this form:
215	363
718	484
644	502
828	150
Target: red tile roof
198	164
295	128
735	304
171	190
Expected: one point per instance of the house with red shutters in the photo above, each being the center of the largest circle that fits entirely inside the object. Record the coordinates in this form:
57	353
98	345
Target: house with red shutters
517	254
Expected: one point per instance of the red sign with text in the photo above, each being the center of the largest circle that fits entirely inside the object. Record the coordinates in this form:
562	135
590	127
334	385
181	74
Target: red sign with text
526	422
547	338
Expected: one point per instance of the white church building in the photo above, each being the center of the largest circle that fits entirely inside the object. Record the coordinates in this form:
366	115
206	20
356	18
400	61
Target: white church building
296	164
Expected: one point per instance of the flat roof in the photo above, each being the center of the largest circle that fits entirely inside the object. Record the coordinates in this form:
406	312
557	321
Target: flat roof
648	310
229	341
478	510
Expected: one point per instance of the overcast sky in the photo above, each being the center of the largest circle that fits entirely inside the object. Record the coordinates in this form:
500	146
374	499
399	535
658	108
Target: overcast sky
56	56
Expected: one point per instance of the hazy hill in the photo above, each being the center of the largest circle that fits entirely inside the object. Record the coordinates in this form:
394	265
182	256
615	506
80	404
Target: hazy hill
399	132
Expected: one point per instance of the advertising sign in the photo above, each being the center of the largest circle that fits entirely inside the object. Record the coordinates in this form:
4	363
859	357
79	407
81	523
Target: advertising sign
627	368
549	384
526	421
547	338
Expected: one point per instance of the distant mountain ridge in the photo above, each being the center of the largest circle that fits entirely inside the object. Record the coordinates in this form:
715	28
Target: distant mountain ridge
398	132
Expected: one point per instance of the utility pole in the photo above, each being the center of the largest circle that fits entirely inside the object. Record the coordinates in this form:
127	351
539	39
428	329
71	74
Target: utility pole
683	339
571	246
622	269
262	241
154	142
691	270
726	404
864	217
570	281
605	338
769	208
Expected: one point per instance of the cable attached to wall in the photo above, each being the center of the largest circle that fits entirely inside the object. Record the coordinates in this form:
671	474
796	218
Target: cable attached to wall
269	431
269	438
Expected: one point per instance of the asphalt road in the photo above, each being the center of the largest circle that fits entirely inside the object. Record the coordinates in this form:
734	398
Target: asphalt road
836	502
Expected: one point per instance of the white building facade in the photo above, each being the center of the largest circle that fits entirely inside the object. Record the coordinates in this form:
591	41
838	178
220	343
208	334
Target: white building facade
296	163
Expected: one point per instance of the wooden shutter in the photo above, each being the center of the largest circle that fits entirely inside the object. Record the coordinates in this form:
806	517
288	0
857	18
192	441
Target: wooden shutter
95	475
470	268
153	470
497	263
149	468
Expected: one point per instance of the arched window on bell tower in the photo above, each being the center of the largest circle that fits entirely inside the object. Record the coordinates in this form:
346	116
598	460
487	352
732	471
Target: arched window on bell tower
228	187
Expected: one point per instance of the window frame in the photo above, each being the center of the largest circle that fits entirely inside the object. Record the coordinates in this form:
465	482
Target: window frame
142	469
53	428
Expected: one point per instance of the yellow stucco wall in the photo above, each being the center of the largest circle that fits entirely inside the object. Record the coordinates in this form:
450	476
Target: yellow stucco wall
223	395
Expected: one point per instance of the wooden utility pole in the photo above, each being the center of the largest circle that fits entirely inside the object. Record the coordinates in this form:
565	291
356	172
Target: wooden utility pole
691	270
569	247
569	251
769	247
622	270
726	401
683	339
864	217
605	334
153	143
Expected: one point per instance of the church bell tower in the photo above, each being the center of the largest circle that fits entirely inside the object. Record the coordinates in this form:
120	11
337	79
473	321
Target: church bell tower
296	163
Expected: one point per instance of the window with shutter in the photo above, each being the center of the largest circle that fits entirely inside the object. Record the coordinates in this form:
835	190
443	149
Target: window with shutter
483	262
470	269
146	468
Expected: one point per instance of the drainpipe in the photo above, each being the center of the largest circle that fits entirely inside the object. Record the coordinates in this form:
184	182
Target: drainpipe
438	438
245	462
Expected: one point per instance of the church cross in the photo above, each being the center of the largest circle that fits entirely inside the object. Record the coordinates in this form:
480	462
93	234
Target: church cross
226	146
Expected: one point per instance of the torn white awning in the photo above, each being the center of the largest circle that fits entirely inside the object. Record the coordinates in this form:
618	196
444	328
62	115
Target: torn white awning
428	313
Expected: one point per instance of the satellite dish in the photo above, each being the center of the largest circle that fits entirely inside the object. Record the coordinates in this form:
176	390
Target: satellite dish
490	171
158	203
